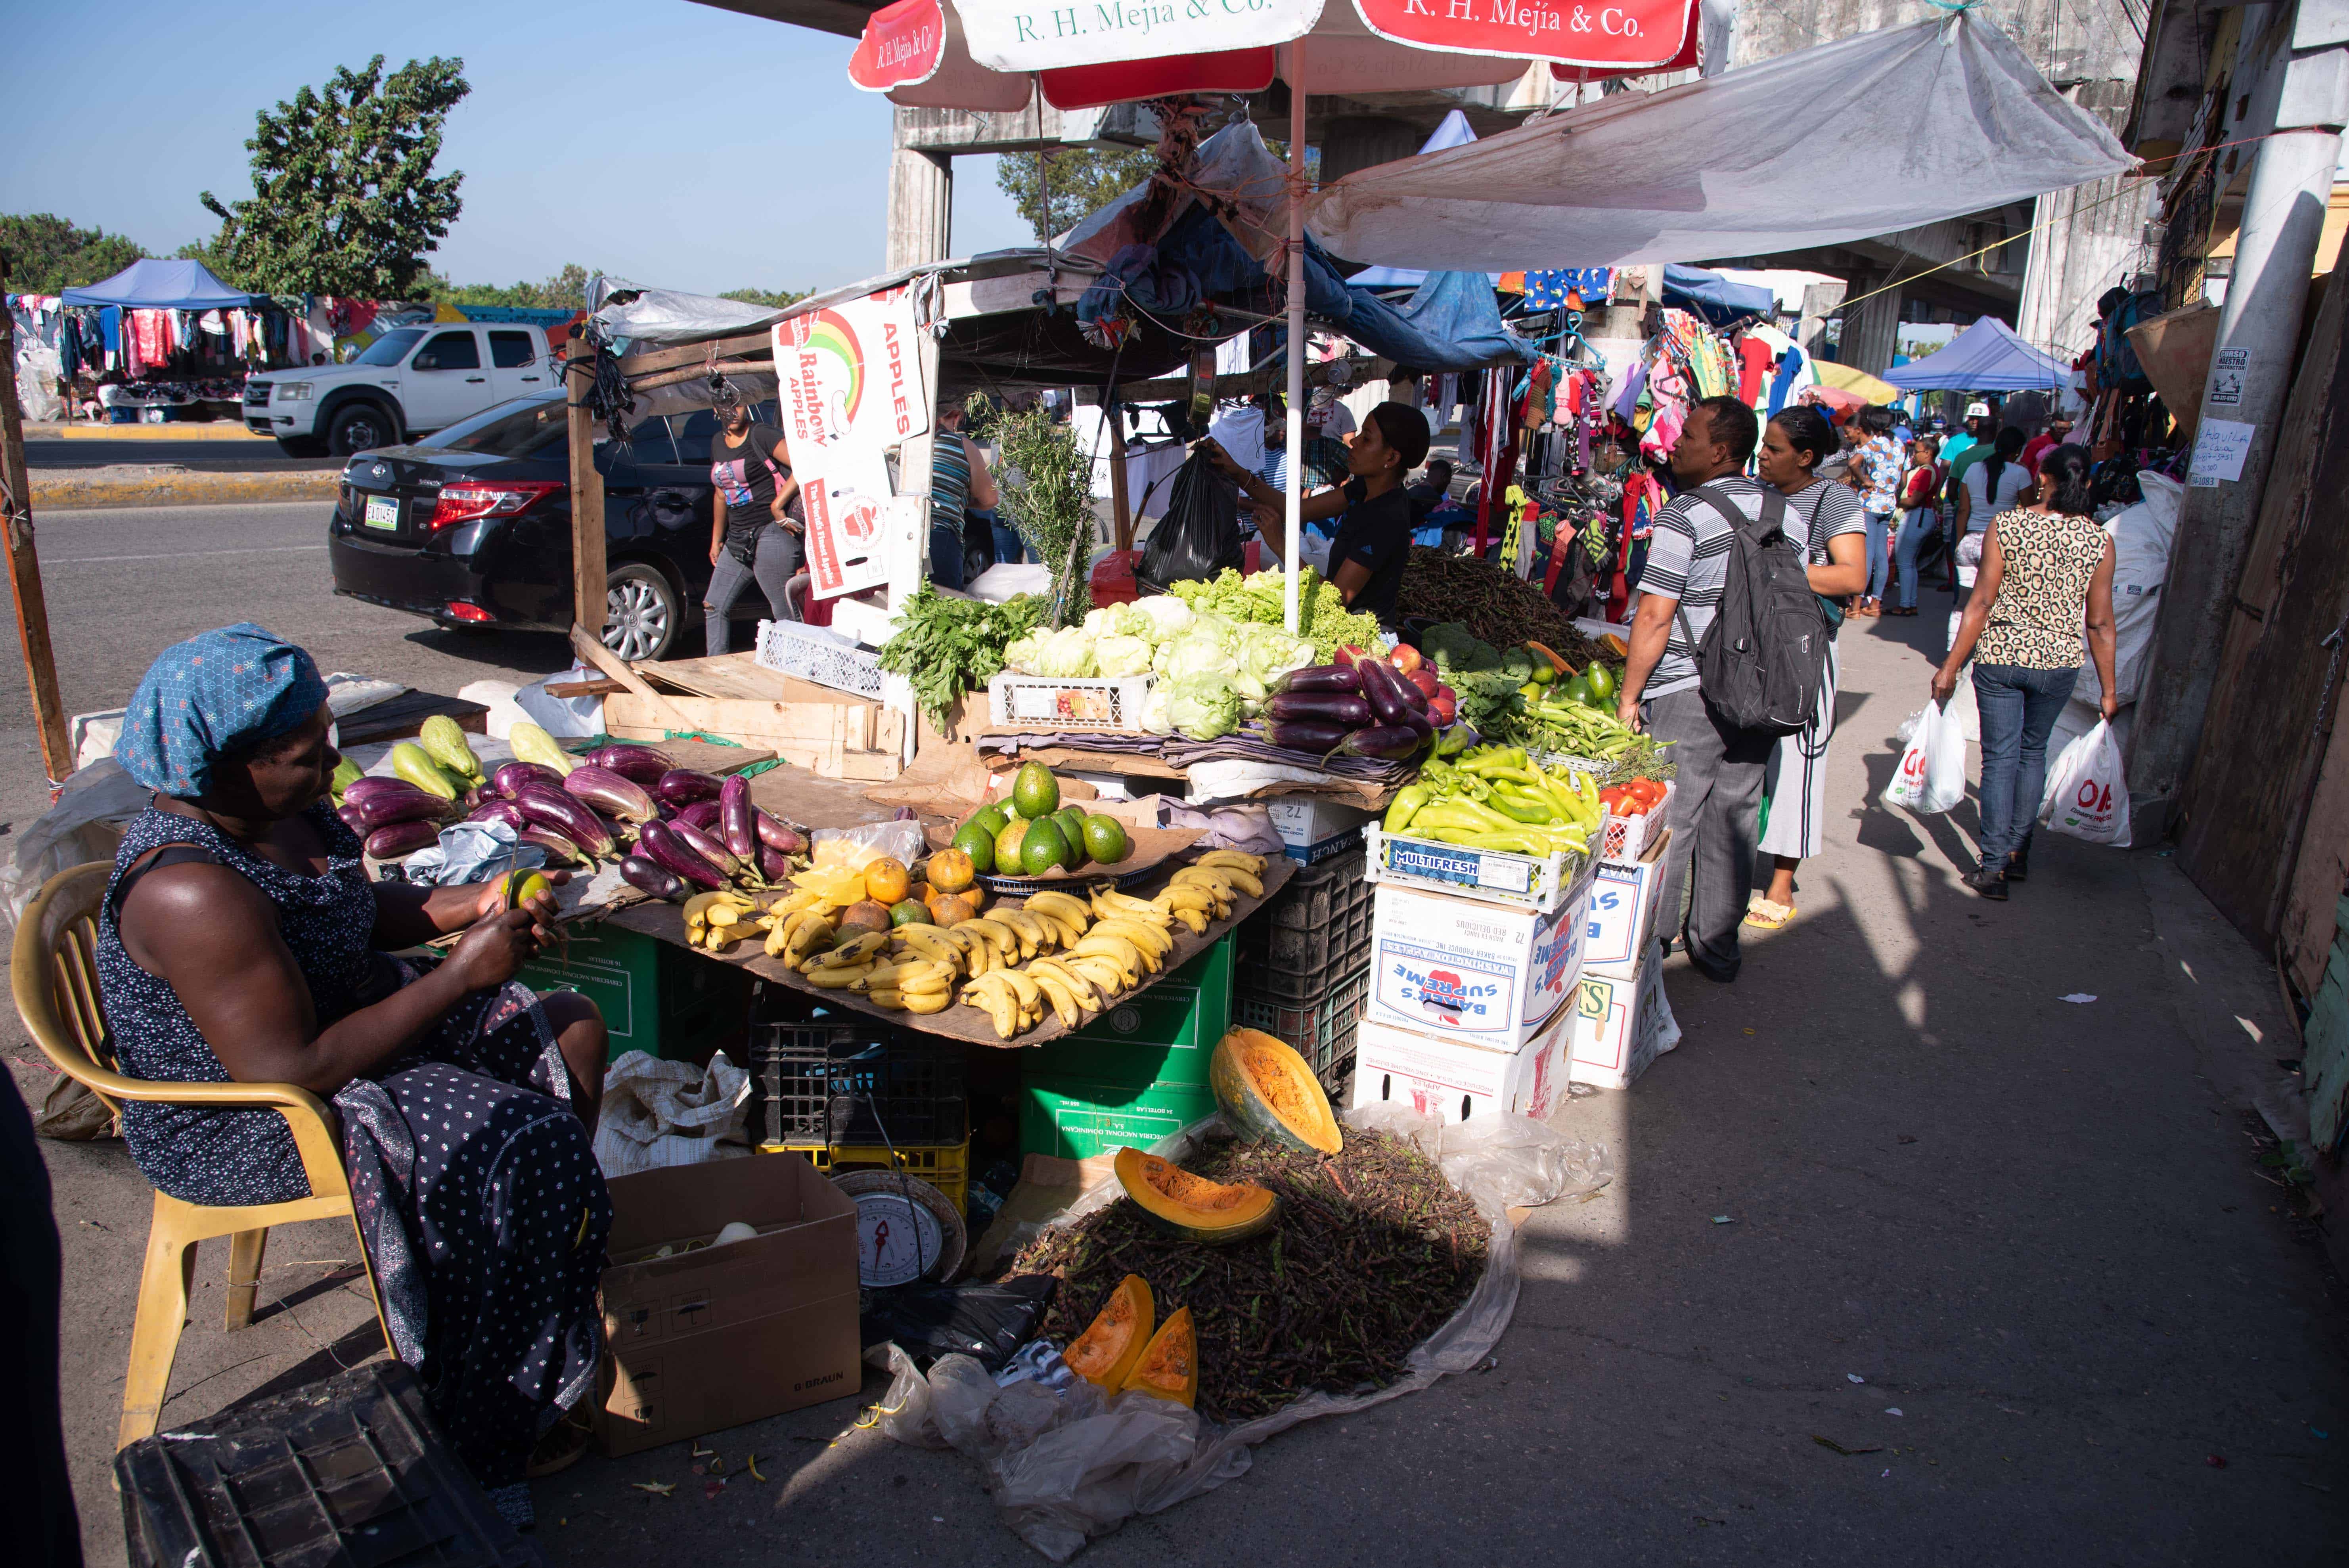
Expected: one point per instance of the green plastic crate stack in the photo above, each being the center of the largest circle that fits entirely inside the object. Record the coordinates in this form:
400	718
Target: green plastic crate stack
655	996
1137	1073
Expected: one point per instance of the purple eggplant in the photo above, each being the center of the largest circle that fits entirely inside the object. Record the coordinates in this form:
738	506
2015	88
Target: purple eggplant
504	811
402	838
1319	677
702	814
383	808
359	792
1382	743
659	842
646	877
641	763
683	787
1336	708
566	814
906	814
559	850
773	865
709	846
511	777
735	829
354	819
1313	735
1411	691
611	793
776	835
1383	687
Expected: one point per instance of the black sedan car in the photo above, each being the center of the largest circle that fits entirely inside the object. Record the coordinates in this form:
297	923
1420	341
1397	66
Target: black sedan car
474	528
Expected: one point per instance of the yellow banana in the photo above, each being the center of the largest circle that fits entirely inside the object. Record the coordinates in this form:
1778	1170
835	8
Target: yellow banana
1103	975
932	944
1183	895
1005	941
1215	882
891	976
890	999
1061	906
1149	935
1035	931
835	976
1235	860
925	1001
1063	998
1117	949
1023	985
1194	918
857	949
993	993
1242	881
1077	982
1108	901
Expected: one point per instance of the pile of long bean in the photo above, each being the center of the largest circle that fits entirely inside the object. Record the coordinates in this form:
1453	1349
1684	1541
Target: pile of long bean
1497	798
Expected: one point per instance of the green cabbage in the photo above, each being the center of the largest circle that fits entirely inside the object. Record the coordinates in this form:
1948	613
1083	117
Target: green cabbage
1207	647
1167	614
1202	706
1123	656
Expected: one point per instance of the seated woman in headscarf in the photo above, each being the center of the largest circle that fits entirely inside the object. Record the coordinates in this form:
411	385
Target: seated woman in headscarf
240	940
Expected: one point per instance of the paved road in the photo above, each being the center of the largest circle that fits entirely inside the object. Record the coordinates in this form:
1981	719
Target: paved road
2037	1231
235	457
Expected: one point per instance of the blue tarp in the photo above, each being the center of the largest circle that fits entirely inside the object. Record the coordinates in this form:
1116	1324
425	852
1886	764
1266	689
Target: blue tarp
163	286
1715	297
1985	357
1453	323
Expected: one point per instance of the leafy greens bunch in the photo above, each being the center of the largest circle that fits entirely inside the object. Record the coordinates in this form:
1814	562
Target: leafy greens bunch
946	646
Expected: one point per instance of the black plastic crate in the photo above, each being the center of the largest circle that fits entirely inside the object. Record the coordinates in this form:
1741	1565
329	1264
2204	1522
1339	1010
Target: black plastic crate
349	1472
843	1080
1313	933
1323	1032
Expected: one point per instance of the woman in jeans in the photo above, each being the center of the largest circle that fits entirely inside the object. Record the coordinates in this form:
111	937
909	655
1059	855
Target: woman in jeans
754	530
2046	571
1918	517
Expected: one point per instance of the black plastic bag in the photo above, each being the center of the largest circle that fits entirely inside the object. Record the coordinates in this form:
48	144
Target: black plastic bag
986	1321
1200	534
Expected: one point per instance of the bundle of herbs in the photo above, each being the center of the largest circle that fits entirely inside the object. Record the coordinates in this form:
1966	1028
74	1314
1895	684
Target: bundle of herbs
1493	605
1049	496
1374	1250
946	645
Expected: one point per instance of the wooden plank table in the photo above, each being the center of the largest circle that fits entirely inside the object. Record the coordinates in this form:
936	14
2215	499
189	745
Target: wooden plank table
665	921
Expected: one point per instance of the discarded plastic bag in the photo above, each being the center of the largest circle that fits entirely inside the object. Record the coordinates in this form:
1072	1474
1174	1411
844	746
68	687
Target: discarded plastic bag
1933	772
986	1321
1200	534
659	1113
2088	791
1093	1465
86	824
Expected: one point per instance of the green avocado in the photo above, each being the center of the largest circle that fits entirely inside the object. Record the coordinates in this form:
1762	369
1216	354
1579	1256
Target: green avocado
1044	848
976	842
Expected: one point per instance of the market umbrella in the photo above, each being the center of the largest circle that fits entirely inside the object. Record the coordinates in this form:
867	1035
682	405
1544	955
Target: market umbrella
1851	378
981	55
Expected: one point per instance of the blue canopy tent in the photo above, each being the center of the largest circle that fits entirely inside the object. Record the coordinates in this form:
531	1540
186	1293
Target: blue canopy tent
1986	357
164	285
1714	297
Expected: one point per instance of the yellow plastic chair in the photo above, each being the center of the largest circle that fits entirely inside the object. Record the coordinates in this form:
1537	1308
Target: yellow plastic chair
55	974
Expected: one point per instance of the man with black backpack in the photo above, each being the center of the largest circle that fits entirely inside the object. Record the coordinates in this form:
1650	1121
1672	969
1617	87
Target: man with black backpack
1728	645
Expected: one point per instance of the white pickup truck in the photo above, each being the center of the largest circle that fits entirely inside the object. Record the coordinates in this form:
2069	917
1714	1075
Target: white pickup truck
410	381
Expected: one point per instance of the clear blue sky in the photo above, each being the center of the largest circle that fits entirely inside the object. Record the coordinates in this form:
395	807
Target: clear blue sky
662	141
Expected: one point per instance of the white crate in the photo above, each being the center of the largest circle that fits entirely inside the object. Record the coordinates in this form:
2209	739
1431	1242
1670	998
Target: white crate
813	654
1044	702
1543	883
1627	838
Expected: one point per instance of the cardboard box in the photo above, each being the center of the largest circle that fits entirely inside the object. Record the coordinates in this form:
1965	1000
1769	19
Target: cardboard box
1459	1081
1619	1026
703	1340
1623	899
1485	973
1315	828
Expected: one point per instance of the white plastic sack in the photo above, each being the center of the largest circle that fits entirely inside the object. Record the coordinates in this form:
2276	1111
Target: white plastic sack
1933	772
86	824
564	717
1066	1467
2142	536
660	1113
2087	791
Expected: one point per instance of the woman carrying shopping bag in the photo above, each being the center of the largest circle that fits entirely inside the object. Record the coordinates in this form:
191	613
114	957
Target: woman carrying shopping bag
2046	573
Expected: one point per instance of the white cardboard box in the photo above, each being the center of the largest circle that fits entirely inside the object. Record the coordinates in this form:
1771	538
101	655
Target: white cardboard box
1484	973
1620	1025
1304	821
1458	1081
1623	899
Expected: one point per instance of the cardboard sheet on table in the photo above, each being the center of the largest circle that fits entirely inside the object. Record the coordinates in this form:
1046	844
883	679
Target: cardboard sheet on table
665	921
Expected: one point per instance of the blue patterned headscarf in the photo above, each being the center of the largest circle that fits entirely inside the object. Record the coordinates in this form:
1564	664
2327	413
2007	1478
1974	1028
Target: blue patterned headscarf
211	694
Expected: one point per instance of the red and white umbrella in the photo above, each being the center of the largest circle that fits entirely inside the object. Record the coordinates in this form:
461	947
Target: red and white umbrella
990	54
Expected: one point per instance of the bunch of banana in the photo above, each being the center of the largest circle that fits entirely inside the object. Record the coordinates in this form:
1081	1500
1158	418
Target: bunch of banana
921	985
841	967
1199	894
717	920
797	938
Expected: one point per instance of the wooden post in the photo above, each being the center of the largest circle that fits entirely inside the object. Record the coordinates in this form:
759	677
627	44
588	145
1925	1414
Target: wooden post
1120	510
587	567
25	562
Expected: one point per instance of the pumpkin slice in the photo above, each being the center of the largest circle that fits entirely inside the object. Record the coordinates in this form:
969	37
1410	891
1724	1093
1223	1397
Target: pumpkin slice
1193	1207
1265	1091
1106	1351
1169	1367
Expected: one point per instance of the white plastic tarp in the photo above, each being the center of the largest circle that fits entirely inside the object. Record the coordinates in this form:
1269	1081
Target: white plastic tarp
1986	357
1955	119
2142	535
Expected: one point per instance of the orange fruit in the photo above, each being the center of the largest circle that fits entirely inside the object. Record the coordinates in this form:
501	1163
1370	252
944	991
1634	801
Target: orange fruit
950	871
867	916
885	881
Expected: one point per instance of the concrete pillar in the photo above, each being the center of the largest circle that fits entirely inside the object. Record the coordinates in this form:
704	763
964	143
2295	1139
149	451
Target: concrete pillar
1353	142
2283	215
1870	328
921	207
1820	300
2084	242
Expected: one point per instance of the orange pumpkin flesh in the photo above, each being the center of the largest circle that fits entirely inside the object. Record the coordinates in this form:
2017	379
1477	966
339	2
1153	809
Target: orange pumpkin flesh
1193	1207
1266	1091
1106	1351
1169	1367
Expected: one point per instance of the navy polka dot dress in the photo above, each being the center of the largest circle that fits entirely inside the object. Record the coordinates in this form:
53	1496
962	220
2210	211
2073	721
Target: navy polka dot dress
475	1182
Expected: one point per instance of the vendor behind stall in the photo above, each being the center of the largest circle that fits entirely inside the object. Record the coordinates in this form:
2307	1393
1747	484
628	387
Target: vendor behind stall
1373	542
240	941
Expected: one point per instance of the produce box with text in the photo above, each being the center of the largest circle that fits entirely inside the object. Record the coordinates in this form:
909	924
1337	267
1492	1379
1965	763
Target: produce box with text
1485	973
1457	1081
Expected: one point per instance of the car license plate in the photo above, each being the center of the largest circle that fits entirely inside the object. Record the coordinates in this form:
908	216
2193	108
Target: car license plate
383	511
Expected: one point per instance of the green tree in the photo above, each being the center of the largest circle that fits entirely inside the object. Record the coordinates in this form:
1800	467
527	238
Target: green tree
46	254
566	290
1077	179
766	299
344	198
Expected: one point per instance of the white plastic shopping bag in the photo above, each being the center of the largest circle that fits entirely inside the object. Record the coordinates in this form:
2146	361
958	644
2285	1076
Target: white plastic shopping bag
1933	772
2087	793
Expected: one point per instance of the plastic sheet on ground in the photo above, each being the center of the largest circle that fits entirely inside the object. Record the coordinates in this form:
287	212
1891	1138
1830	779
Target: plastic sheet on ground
1066	1467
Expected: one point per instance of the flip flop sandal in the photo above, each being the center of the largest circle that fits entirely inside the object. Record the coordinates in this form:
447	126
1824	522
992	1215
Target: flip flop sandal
560	1448
1765	914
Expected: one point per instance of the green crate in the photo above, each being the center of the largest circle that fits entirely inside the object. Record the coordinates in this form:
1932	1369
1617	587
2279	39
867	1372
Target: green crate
1072	1119
655	996
1162	1035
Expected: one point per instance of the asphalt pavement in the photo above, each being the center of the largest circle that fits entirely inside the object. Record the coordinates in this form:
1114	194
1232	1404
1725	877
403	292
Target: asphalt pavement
1908	1258
214	456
